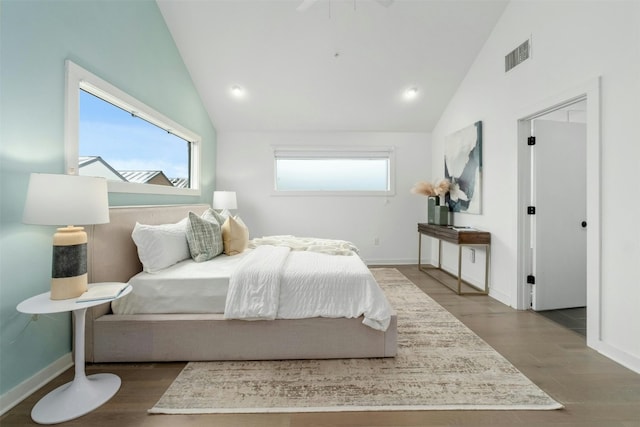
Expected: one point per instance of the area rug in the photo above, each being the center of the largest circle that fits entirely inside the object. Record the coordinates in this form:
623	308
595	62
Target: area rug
441	365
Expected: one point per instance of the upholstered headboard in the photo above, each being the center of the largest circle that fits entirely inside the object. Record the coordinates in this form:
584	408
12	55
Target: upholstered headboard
112	255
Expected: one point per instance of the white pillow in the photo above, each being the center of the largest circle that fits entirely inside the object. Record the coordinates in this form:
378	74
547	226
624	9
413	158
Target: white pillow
161	246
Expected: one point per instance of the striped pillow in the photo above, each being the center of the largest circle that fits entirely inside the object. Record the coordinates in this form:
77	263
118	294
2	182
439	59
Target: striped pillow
213	216
204	238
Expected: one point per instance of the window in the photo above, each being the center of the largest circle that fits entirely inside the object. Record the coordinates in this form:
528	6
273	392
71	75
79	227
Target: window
111	134
334	171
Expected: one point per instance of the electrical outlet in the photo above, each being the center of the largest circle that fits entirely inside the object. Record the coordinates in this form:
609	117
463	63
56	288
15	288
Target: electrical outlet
376	241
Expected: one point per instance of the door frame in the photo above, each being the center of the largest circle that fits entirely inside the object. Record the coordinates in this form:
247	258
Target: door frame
590	91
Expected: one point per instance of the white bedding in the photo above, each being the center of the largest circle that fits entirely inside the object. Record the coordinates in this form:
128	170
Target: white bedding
312	244
310	284
275	282
185	287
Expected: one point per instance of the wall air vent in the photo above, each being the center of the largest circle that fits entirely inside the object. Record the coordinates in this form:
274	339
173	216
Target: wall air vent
516	56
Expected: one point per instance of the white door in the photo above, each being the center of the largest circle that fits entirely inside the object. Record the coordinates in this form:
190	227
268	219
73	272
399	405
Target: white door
559	197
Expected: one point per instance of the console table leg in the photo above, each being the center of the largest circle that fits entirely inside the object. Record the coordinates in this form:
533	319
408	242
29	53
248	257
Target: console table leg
486	268
459	269
419	251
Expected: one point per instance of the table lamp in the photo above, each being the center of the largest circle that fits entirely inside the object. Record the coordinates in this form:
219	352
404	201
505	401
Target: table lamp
224	200
67	199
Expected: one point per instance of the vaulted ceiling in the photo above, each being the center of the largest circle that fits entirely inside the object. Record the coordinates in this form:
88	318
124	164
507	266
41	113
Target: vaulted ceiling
336	66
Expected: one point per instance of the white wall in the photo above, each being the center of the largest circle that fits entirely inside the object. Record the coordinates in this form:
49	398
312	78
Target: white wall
245	165
572	43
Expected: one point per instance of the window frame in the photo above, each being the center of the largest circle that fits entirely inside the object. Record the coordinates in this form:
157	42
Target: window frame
77	78
334	152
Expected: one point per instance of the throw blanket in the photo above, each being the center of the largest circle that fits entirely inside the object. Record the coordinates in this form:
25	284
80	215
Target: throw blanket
254	288
326	246
274	282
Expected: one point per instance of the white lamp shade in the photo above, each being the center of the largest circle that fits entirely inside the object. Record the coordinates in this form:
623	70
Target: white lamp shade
224	200
56	199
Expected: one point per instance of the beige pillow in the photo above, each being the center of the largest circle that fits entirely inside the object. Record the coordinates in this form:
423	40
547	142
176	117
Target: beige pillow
235	235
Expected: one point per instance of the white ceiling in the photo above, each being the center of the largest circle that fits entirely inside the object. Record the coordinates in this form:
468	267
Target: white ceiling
338	66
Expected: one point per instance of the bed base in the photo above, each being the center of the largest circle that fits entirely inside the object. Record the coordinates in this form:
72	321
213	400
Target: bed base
113	257
193	337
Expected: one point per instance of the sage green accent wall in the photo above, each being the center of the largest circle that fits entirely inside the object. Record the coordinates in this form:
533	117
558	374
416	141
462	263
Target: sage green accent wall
126	43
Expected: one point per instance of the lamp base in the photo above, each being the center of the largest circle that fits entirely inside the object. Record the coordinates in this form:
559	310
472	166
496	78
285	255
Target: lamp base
69	264
69	287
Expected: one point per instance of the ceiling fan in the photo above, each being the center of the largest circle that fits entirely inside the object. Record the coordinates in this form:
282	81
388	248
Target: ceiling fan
306	4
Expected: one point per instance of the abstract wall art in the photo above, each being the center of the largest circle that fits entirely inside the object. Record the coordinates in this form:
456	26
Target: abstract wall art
463	169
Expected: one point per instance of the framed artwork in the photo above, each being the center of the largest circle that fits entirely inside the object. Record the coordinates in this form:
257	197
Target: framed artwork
463	169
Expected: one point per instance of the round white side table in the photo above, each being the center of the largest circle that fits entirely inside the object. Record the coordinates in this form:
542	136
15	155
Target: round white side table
84	393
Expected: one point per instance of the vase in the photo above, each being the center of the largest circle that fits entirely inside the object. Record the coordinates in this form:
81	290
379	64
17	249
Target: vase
432	204
441	215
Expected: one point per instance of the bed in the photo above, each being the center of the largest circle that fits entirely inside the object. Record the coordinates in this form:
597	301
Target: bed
169	336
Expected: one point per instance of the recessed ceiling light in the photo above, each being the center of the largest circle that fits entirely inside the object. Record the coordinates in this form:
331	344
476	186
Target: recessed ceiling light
237	91
411	93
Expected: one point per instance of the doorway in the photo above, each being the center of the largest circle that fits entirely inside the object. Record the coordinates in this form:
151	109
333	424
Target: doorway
558	224
558	195
541	239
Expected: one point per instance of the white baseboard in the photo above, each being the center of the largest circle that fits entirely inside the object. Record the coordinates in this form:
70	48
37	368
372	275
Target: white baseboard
501	296
625	359
23	390
391	261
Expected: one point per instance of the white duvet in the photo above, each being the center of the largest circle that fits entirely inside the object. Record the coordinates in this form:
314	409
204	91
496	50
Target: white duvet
275	282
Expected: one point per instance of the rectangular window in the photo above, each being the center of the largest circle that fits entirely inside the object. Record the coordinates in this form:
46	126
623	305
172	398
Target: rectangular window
113	135
333	170
120	146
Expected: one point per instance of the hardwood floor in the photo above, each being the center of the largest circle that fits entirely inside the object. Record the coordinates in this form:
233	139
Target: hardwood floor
596	391
572	318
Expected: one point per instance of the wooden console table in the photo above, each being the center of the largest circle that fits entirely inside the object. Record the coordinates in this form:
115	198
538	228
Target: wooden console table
461	237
